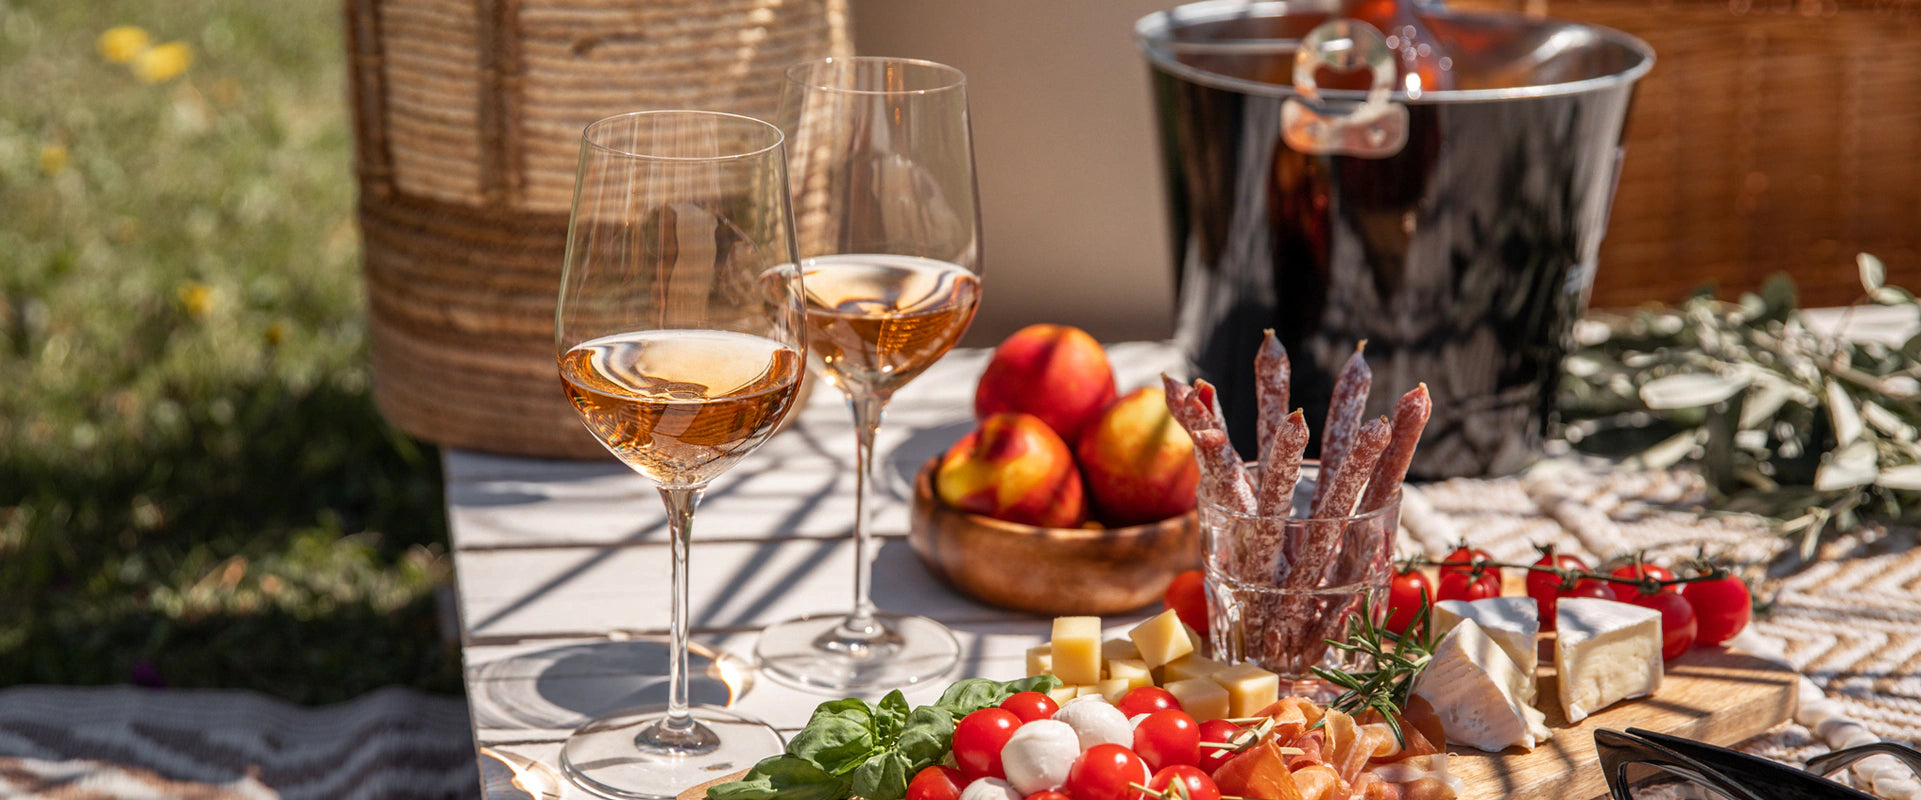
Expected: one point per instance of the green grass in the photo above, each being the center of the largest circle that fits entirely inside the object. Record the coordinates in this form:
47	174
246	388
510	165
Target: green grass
193	479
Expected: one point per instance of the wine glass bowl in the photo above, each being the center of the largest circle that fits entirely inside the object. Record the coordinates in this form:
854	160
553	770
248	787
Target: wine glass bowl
679	336
888	226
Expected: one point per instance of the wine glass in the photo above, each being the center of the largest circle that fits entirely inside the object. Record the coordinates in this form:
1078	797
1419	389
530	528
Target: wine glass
680	333
889	230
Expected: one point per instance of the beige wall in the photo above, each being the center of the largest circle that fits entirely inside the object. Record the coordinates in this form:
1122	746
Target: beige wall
1071	197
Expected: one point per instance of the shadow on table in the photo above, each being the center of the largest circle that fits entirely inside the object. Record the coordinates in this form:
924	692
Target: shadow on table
560	688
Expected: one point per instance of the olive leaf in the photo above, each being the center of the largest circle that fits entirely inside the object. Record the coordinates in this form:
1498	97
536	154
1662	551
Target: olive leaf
1815	431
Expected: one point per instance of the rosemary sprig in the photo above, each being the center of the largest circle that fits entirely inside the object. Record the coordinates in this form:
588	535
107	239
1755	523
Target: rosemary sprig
1396	659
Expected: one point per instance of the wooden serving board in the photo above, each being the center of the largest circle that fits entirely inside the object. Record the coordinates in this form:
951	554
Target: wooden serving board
1712	695
1709	694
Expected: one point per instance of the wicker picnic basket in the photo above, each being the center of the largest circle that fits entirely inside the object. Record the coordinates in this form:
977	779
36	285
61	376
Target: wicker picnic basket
467	117
1772	136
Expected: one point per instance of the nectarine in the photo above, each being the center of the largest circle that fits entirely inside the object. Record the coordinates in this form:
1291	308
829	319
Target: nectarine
1056	372
1014	468
1137	462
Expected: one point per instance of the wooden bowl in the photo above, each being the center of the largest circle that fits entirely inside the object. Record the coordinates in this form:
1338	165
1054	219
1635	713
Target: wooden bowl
1053	571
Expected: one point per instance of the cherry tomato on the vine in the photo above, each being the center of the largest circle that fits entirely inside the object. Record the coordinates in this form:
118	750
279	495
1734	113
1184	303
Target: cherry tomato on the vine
1677	621
1217	731
1168	737
1197	784
1106	772
1030	706
1625	592
1722	607
1146	700
1050	795
936	783
1406	593
1545	587
1466	586
1473	555
978	739
1187	595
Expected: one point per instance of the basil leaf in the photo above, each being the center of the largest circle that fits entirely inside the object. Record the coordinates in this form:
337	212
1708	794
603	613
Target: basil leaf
839	736
883	777
966	697
926	737
889	716
783	777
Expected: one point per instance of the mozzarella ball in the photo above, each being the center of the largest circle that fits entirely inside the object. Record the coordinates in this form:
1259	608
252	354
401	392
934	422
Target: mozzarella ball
1039	755
990	789
1096	721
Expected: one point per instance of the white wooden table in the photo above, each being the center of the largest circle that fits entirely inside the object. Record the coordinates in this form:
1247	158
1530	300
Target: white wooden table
562	571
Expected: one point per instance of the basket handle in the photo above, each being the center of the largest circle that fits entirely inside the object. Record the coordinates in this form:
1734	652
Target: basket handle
1374	128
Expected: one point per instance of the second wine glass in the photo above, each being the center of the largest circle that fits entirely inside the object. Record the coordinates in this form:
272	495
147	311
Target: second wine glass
882	170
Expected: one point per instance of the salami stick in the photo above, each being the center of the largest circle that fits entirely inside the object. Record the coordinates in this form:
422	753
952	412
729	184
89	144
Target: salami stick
1364	550
1410	418
1344	411
1224	481
1344	485
1271	379
1282	467
1210	400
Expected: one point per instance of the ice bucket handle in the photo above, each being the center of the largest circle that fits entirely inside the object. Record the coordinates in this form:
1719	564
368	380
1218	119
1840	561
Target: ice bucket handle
1375	128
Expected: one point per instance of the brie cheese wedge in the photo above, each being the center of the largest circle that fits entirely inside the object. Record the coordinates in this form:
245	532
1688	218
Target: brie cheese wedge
1476	691
1510	621
1604	651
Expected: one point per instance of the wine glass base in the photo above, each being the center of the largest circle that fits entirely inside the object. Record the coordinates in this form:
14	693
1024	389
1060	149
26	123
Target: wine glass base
813	652
630	755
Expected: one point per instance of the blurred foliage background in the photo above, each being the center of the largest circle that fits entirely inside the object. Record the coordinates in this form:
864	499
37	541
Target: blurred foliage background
195	487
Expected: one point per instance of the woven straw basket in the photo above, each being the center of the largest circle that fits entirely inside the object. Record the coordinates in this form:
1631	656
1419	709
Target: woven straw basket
1772	136
467	115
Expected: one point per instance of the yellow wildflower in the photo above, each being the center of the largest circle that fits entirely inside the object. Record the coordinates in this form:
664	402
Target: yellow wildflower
197	298
162	63
53	158
122	44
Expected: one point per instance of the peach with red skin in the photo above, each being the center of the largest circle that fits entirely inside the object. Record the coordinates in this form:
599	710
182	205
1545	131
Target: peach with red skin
1059	373
1014	468
1137	463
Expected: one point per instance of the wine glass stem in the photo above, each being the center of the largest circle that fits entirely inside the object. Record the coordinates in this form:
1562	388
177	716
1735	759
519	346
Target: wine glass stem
680	522
867	415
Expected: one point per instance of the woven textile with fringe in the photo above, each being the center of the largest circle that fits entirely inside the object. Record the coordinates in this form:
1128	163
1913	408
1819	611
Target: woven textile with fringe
467	117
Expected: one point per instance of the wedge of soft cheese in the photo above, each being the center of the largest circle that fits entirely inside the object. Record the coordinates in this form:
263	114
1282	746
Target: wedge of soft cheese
1605	651
1077	650
1160	640
1476	691
1510	621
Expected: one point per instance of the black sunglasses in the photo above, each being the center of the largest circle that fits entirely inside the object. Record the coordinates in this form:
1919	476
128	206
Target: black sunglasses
1643	765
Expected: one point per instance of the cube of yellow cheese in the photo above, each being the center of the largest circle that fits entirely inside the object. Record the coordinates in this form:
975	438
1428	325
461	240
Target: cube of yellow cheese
1040	659
1192	665
1132	670
1161	639
1249	688
1113	689
1200	697
1077	650
1119	648
1064	693
1083	691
